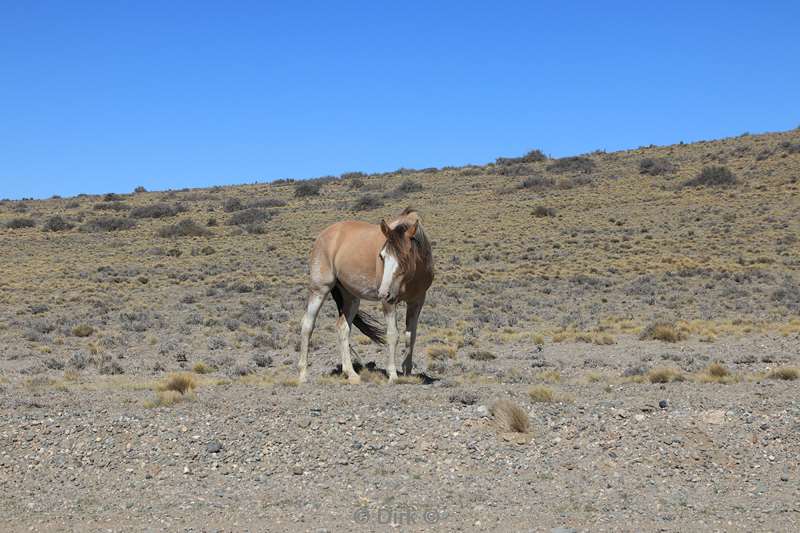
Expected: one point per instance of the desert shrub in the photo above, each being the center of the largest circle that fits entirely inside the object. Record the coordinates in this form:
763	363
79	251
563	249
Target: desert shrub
790	147
574	181
306	188
655	166
262	360
108	224
534	156
541	211
56	223
409	186
160	210
185	228
78	361
713	176
113	197
19	223
82	330
232	204
537	183
249	216
111	206
139	190
541	393
441	352
662	331
717	370
352	175
482	355
356	183
181	383
367	202
111	368
266	202
572	164
510	417
785	373
664	375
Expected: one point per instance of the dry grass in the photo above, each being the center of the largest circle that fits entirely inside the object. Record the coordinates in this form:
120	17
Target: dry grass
201	368
540	393
664	375
549	376
786	373
181	383
166	398
441	352
662	331
717	373
510	417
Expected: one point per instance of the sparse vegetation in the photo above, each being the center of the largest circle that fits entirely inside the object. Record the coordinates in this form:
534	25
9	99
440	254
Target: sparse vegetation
655	166
714	176
20	223
184	228
249	217
159	210
784	373
540	393
367	202
572	164
106	224
510	417
57	223
305	189
664	375
662	331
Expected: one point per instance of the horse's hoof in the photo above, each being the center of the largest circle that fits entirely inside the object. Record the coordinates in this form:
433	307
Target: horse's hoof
302	378
355	379
392	378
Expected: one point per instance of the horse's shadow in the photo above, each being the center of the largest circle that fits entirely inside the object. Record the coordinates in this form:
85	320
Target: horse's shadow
372	367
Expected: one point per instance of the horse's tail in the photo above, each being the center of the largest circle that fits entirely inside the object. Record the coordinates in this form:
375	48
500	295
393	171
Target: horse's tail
368	325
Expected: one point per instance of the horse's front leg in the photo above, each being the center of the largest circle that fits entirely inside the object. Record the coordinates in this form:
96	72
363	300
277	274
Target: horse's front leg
412	318
390	313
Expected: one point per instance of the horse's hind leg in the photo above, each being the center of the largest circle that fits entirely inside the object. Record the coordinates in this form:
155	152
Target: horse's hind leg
343	326
315	301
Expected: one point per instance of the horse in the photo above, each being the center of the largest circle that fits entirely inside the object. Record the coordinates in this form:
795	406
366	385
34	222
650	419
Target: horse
354	261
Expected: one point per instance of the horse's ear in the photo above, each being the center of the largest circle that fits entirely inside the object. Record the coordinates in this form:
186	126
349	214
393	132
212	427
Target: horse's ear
410	232
385	229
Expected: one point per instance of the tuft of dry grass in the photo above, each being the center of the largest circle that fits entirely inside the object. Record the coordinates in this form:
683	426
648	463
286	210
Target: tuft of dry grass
717	370
181	383
82	330
440	352
166	398
664	375
540	393
482	355
662	331
372	376
201	368
785	373
549	376
717	373
510	417
409	380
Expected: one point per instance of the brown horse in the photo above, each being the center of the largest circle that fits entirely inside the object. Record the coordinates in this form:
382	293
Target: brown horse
357	261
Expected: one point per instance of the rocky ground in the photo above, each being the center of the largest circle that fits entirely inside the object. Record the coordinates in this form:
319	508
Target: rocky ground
606	454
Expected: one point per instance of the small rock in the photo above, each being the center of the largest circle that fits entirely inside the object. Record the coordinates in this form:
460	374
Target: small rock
297	470
563	530
214	447
482	411
784	477
663	404
304	422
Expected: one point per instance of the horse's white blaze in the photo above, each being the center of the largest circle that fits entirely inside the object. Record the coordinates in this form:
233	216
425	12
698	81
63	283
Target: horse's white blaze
389	268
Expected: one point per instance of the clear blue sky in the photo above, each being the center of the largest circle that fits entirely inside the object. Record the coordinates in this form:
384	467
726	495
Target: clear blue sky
104	96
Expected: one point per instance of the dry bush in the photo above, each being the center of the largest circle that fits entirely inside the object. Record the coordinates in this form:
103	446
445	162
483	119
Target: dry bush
785	373
534	156
440	352
160	210
184	228
482	355
662	331
540	393
714	176
716	373
367	202
510	417
57	223
105	224
541	211
306	188
19	223
201	368
82	330
181	383
538	183
664	375
572	164
717	370
249	217
167	398
655	166
549	376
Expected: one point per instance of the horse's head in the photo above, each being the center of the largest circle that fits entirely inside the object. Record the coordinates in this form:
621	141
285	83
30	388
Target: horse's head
399	259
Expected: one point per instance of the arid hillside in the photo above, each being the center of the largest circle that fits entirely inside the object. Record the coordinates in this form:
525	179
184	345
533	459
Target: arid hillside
528	250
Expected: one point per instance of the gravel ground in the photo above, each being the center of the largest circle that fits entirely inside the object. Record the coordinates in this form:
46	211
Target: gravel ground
605	456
